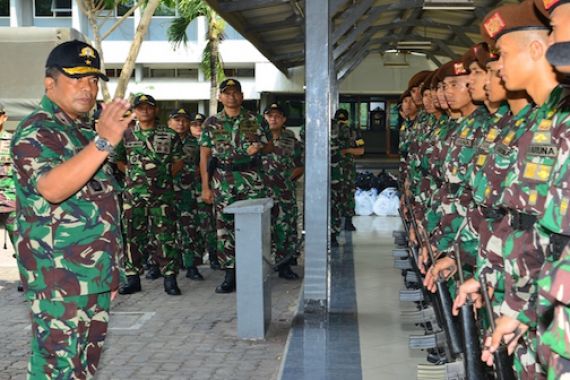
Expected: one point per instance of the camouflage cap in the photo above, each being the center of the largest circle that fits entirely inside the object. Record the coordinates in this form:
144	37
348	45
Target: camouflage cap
76	59
546	7
274	107
478	53
179	112
512	18
417	79
453	68
198	118
143	98
230	83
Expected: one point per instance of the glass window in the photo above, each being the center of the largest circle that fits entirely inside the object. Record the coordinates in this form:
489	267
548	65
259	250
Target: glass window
241	73
124	7
4	8
43	8
187	73
162	73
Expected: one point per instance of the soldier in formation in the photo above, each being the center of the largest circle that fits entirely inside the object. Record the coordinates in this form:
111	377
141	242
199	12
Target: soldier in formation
490	187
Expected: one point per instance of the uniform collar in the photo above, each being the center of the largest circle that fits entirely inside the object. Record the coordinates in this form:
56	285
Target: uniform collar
57	113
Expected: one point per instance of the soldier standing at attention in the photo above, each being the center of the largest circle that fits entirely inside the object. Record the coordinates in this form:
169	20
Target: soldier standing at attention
281	168
186	203
232	139
68	241
7	190
339	142
150	157
348	168
204	212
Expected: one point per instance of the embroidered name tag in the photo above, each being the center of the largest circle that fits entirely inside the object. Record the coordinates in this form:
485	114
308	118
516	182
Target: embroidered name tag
464	142
543	150
220	135
134	144
248	127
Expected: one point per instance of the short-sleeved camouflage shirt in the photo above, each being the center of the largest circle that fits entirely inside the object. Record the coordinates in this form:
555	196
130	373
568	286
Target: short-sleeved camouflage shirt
229	137
73	247
149	155
7	187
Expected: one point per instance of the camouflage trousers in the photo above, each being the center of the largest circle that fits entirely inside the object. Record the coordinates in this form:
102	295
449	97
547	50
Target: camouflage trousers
525	364
336	206
187	228
348	187
284	235
68	336
206	221
229	187
150	235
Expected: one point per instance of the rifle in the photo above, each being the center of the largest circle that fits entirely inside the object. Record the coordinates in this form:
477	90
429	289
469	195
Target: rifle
474	369
444	302
502	361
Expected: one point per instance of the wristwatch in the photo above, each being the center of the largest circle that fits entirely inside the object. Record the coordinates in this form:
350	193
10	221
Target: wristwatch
103	144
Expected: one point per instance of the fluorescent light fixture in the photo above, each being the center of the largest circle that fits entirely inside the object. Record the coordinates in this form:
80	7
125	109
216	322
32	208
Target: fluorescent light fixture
395	59
414	45
449	5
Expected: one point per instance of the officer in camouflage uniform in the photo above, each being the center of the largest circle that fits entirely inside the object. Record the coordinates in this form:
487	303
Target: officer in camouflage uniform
204	212
150	155
554	293
7	190
340	140
522	37
409	111
282	166
233	140
348	168
185	183
68	240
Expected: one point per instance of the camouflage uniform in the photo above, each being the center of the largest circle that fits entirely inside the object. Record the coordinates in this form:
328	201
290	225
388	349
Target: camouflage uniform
185	184
277	170
68	253
348	169
148	197
7	190
340	139
237	174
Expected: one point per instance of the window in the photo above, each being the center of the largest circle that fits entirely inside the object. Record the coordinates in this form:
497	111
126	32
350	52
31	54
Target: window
187	73
240	73
52	8
4	8
116	73
124	7
160	73
171	73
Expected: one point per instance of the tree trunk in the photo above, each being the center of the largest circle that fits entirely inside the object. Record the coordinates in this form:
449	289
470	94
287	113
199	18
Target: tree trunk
129	64
213	65
98	45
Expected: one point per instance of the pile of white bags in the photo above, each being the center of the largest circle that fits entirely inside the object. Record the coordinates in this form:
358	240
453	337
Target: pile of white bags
369	202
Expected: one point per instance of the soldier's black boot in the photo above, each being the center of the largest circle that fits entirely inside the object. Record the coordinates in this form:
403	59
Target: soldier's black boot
194	274
213	259
153	272
20	287
229	284
171	286
348	226
133	285
286	272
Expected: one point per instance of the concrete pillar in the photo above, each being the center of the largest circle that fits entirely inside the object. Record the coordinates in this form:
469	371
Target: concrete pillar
317	153
79	20
21	13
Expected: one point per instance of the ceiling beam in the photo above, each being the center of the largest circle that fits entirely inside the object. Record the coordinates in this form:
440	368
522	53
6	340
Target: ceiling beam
351	18
434	59
290	22
353	63
356	33
336	5
244	5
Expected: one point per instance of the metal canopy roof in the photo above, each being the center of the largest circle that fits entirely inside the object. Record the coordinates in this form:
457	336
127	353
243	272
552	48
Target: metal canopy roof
359	27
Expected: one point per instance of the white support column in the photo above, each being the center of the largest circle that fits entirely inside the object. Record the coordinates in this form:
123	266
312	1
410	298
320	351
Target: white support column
21	13
317	153
139	73
79	20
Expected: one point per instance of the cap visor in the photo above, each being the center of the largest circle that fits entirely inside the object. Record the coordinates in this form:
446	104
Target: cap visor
84	71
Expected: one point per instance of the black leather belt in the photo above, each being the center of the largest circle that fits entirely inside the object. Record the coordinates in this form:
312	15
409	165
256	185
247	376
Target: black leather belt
557	244
522	222
239	167
493	213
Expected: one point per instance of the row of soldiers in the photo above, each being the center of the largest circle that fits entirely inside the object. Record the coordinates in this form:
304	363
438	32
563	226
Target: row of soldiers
178	180
485	155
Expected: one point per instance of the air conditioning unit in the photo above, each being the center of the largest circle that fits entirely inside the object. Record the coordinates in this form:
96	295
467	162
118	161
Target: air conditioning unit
414	45
449	5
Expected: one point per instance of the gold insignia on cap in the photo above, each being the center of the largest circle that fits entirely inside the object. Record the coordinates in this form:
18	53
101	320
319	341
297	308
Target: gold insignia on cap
274	105
494	25
459	69
87	53
181	110
230	83
143	98
549	3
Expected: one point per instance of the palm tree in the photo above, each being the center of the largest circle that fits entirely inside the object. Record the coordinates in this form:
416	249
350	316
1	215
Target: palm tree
211	64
